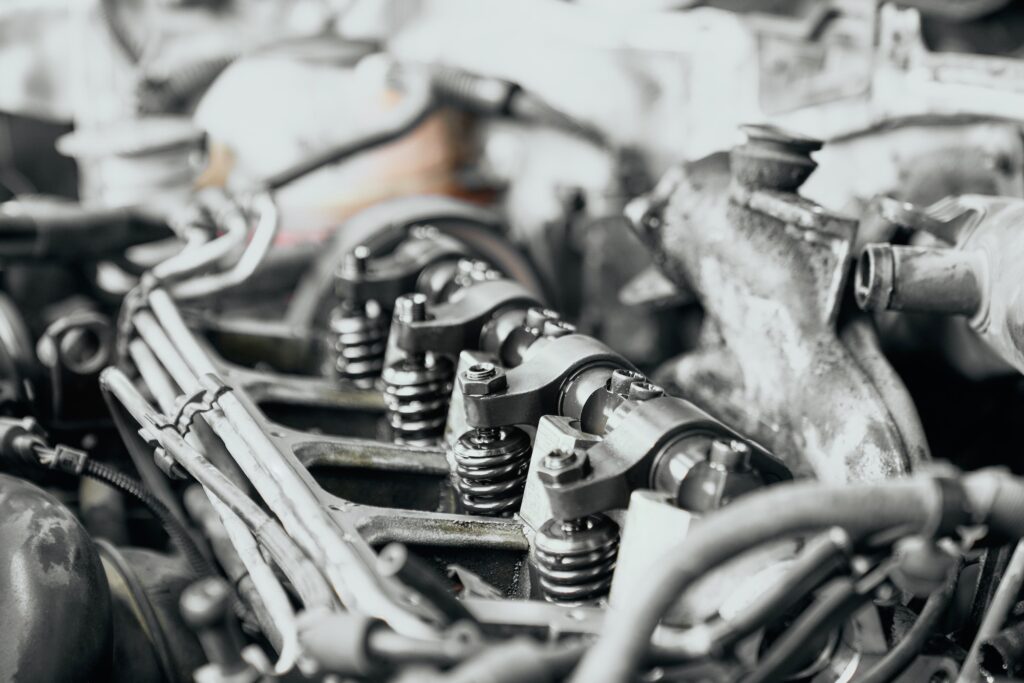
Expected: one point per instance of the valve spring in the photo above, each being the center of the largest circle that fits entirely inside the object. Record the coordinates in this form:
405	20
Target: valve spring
490	465
417	390
575	558
360	335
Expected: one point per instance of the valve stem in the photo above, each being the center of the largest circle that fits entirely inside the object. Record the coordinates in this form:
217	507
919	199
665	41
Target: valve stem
417	388
359	331
575	558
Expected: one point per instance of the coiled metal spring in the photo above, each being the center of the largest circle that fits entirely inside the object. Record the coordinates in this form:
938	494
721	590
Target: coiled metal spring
417	390
359	334
490	467
575	559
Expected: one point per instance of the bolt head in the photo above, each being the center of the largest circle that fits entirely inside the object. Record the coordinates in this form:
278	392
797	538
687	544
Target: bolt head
478	371
731	455
411	308
622	379
557	328
478	380
356	261
537	316
644	391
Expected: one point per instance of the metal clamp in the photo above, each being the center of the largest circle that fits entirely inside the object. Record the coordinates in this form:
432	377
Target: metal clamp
202	401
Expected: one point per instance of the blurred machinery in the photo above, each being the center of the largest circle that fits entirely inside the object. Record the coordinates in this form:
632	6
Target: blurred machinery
540	341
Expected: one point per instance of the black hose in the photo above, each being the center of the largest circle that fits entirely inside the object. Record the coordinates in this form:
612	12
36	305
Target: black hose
144	609
818	561
837	601
142	458
351	148
519	660
906	505
902	654
179	536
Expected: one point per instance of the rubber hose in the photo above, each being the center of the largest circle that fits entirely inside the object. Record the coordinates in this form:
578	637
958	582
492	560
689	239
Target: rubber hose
820	559
518	661
421	112
145	611
835	603
178	534
902	654
910	505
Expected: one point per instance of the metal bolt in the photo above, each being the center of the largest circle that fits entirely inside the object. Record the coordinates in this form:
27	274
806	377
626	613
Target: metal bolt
356	261
424	231
732	455
470	266
536	317
479	371
644	391
205	607
557	328
482	379
622	379
559	460
411	308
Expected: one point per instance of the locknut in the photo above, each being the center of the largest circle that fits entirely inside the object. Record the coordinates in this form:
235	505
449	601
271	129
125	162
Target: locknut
483	379
560	468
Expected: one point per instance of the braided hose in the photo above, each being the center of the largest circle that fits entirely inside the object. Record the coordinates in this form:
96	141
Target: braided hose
179	536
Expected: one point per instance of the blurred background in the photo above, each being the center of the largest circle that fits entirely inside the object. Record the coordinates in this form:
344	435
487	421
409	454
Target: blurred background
131	102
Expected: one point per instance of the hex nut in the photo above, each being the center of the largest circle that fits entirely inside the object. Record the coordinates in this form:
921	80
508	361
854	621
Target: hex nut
483	384
569	470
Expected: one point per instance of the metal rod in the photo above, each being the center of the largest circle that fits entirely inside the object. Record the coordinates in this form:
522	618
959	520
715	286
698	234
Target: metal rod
254	253
304	576
918	279
194	258
344	557
1002	601
274	611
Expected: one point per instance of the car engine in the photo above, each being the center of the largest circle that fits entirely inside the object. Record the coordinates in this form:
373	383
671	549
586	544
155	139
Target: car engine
482	342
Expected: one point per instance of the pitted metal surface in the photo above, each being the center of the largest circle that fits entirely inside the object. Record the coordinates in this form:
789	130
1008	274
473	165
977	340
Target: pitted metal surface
769	270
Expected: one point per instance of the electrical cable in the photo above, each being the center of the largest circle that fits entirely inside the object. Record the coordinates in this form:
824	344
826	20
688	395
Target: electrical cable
178	534
420	111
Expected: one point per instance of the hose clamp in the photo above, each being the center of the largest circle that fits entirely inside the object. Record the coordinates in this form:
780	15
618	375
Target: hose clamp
953	512
201	401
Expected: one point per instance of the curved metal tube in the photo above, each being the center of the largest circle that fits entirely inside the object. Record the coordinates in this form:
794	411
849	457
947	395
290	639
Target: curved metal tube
279	484
306	579
262	239
193	259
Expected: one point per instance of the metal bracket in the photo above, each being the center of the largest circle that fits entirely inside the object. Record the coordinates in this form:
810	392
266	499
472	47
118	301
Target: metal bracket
202	401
